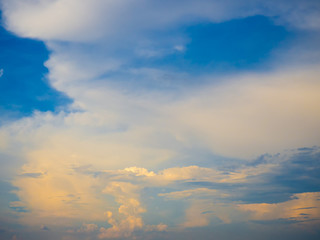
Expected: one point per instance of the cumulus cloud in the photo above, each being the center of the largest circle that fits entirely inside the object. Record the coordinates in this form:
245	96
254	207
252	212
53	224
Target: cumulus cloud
125	194
130	220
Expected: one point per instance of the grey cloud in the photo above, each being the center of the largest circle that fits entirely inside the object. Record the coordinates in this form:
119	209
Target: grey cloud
45	228
294	171
297	171
32	175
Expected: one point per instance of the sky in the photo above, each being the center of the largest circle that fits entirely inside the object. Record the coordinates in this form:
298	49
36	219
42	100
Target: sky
146	119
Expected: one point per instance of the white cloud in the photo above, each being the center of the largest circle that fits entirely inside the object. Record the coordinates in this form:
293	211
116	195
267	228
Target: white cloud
298	14
96	19
252	114
243	117
127	196
1	72
50	19
140	171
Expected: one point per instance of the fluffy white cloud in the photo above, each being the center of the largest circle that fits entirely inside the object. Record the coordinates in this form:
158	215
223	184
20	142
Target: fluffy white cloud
96	19
243	117
126	195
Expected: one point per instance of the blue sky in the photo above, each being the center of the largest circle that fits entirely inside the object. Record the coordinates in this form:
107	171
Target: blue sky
148	120
250	42
24	87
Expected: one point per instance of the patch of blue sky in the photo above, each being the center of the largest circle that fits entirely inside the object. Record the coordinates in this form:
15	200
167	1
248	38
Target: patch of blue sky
23	84
239	44
184	56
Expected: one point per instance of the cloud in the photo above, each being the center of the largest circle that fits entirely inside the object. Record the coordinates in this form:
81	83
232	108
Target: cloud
122	146
88	227
130	207
243	116
45	228
194	216
160	227
89	16
187	193
254	114
75	193
140	171
266	113
101	19
302	211
1	72
130	210
304	15
302	208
